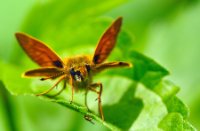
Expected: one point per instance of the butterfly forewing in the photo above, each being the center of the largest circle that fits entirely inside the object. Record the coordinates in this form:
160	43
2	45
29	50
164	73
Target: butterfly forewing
38	51
107	42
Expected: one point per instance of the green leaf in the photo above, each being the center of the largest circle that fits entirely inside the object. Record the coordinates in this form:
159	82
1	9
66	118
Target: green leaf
120	113
176	105
137	98
146	70
172	121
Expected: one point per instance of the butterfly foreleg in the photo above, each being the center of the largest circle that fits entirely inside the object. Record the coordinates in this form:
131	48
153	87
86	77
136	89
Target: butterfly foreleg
63	88
47	91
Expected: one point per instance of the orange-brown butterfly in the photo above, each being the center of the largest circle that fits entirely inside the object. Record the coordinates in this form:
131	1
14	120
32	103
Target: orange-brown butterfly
76	71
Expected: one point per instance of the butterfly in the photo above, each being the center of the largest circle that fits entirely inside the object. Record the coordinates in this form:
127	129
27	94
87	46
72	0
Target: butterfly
76	71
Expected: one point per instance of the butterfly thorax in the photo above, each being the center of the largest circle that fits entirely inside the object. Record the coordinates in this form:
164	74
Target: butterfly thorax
81	60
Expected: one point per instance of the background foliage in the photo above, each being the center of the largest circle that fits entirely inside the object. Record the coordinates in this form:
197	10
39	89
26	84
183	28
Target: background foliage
166	31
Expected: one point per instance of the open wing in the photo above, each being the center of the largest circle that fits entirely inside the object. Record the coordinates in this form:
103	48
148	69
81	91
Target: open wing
44	72
38	52
107	42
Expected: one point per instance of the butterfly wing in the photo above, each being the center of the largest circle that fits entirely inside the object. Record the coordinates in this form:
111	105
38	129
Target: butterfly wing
38	52
103	66
107	42
44	72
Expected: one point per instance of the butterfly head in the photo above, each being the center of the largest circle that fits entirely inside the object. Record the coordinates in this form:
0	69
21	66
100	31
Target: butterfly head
79	74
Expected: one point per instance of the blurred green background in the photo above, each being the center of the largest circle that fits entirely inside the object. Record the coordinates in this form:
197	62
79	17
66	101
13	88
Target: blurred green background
166	30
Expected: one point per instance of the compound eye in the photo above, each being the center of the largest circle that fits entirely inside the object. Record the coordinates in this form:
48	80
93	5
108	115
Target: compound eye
76	75
88	68
72	72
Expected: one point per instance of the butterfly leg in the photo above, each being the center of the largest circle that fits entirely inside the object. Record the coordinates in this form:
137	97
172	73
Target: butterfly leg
72	95
93	88
47	91
86	93
71	83
64	87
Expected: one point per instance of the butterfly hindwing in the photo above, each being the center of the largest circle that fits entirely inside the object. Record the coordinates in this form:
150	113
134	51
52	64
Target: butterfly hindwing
43	72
